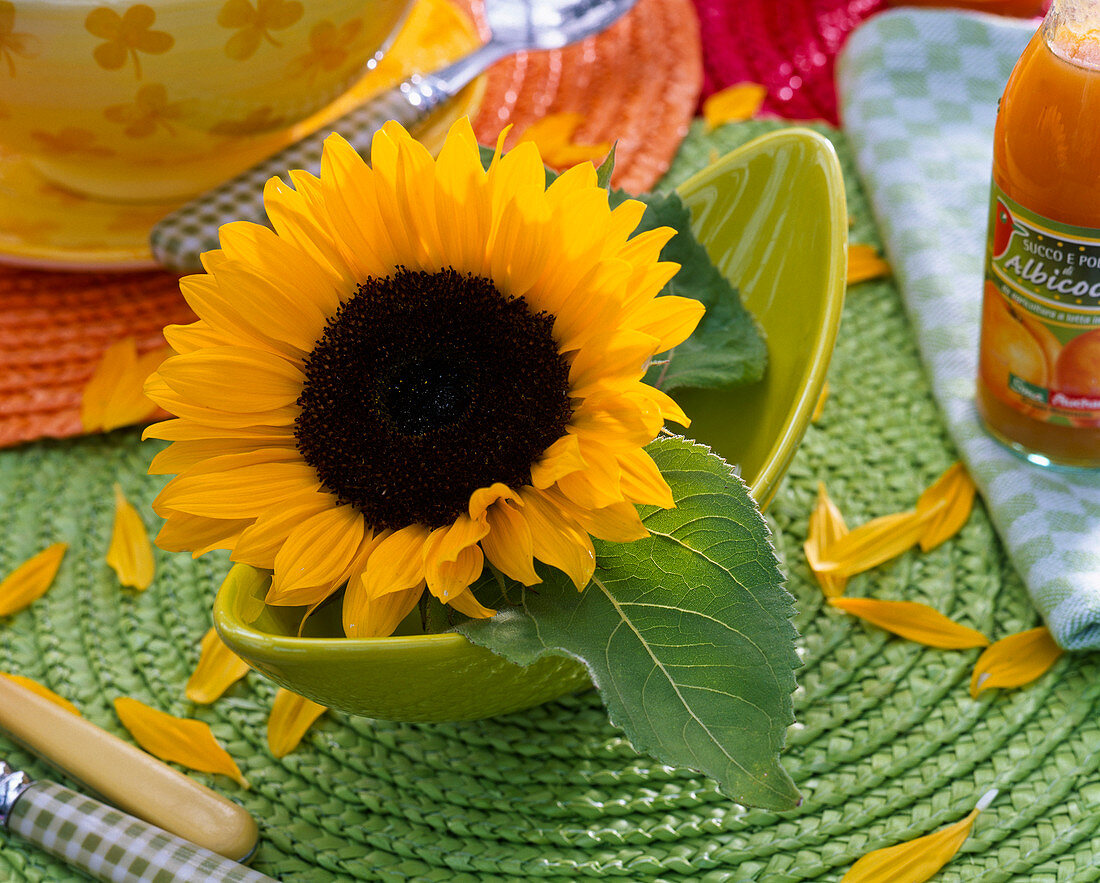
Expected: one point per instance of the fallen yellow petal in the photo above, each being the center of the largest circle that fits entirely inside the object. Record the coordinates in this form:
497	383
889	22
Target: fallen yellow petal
864	263
826	527
45	692
953	494
873	542
917	860
130	554
291	715
733	104
1014	661
819	408
30	580
914	621
183	740
217	670
114	395
555	135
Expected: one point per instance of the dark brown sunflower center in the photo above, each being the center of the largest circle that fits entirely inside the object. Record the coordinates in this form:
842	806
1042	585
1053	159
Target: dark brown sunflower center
425	387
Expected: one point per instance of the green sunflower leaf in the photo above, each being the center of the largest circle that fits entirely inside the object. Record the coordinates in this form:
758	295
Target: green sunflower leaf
727	348
687	634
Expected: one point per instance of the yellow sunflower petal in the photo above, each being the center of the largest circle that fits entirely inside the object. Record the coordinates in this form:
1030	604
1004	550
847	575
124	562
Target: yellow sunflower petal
114	395
465	602
161	393
397	562
30	580
198	535
590	306
669	318
483	498
130	554
952	496
508	544
189	338
819	408
561	458
242	379
917	860
317	550
291	716
864	264
298	218
366	617
1014	661
462	218
661	403
218	669
615	361
185	430
240	491
182	740
45	692
826	527
598	484
182	455
642	481
110	369
259	542
740	101
555	135
913	621
518	254
368	241
452	557
222	320
617	418
617	523
873	543
556	540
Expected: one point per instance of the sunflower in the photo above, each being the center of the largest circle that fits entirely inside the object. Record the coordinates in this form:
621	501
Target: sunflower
423	365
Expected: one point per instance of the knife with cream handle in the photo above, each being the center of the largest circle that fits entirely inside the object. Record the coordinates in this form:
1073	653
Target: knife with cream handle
125	776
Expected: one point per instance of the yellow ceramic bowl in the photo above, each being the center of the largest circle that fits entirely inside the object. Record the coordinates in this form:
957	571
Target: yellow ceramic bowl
772	216
164	98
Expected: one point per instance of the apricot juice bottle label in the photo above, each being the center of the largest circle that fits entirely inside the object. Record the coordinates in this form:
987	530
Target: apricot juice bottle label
1040	346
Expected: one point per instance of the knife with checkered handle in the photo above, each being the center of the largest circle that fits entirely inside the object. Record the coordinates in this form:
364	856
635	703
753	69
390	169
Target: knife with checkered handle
104	842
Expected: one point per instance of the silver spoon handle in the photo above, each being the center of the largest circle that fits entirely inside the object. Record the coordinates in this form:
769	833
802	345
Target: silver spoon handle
180	238
112	846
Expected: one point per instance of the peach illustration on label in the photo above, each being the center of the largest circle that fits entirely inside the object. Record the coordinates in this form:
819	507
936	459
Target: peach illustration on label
1077	375
1009	348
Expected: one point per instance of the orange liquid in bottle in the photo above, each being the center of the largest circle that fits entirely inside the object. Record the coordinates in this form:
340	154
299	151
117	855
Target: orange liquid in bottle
1046	160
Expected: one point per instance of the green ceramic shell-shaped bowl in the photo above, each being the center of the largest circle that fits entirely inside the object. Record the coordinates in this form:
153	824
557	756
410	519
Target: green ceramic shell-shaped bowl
772	216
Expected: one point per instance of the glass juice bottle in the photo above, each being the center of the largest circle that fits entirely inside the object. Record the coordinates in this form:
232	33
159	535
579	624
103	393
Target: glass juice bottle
1039	362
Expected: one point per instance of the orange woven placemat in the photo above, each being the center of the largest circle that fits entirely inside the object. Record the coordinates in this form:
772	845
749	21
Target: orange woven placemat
637	83
54	328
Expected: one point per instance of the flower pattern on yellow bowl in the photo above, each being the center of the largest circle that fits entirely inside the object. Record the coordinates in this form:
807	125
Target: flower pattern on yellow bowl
42	225
175	90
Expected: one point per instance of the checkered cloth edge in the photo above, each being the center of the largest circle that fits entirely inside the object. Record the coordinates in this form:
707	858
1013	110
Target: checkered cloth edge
919	92
179	239
111	845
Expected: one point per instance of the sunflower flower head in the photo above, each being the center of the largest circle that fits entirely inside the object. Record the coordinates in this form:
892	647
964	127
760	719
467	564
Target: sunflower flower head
424	365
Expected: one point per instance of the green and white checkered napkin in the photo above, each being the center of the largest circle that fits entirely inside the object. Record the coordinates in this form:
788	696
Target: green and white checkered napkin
919	92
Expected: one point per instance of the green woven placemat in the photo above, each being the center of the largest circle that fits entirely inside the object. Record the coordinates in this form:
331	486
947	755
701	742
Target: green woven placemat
888	743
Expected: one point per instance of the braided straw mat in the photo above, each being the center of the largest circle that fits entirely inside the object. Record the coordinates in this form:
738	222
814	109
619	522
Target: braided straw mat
888	744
